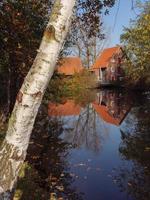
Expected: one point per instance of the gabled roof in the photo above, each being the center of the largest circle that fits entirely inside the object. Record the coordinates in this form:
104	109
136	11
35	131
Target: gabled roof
104	58
102	111
70	65
69	108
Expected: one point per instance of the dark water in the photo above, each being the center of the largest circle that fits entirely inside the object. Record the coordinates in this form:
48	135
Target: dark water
92	148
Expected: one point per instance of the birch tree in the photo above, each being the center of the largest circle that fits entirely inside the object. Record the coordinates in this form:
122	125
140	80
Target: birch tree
13	150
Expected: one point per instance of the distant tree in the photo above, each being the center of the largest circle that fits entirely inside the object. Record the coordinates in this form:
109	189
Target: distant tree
137	47
87	28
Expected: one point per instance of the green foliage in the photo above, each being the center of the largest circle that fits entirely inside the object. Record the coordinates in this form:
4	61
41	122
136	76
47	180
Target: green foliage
137	47
21	24
76	87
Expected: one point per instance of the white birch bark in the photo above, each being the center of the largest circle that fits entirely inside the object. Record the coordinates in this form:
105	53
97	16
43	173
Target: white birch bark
13	150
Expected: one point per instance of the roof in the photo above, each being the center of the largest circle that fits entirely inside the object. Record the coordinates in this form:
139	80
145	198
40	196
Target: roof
102	111
104	58
70	65
67	109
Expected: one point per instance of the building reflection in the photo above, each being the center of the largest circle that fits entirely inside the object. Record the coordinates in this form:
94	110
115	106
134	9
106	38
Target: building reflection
112	106
68	108
79	124
58	130
89	126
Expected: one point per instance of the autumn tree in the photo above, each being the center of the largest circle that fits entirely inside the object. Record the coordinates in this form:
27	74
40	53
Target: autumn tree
13	149
22	24
137	47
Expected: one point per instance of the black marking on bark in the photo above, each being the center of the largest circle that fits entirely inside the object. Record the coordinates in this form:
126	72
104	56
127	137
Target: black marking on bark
37	94
26	106
64	28
19	97
46	61
50	33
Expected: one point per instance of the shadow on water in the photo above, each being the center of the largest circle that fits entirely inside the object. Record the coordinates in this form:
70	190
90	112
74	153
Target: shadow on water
135	146
47	166
90	148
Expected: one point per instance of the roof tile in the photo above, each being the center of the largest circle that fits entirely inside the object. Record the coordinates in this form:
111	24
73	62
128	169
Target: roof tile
70	65
104	58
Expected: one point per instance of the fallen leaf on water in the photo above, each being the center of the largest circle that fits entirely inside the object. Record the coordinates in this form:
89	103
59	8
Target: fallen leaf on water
53	196
62	175
72	175
35	157
53	178
129	184
115	181
109	175
147	148
89	168
60	188
53	183
80	165
39	145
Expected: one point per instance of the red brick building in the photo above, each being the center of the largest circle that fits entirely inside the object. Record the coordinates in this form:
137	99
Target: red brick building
109	65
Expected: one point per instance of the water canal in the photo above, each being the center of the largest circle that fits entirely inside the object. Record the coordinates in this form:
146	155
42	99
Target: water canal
92	148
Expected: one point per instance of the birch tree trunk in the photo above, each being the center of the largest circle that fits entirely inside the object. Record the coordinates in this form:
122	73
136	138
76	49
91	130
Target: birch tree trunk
13	150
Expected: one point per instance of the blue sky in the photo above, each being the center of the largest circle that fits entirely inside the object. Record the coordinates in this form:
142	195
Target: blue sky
125	13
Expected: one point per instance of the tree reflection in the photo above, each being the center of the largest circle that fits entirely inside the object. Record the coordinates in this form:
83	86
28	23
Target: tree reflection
46	175
135	147
64	126
87	122
82	130
79	124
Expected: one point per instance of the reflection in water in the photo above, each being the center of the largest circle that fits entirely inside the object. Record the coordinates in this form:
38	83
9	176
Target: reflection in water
79	123
82	124
75	147
112	106
66	109
135	146
47	174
